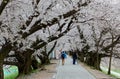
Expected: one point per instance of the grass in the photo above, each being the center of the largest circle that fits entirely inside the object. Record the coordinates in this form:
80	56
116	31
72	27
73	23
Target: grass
117	71
114	73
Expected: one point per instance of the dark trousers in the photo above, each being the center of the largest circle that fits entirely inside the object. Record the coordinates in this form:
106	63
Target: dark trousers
74	60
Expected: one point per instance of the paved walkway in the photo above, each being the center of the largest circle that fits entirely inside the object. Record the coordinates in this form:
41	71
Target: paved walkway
70	71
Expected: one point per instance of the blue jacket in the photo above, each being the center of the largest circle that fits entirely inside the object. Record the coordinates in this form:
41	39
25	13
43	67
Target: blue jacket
63	54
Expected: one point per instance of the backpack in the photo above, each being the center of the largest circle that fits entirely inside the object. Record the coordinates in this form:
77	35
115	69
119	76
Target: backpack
63	55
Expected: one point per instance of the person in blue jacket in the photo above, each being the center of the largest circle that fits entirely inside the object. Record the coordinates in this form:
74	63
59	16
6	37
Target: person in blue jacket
74	56
63	56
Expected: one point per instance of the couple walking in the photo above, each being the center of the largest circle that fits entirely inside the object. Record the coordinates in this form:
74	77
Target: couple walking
64	55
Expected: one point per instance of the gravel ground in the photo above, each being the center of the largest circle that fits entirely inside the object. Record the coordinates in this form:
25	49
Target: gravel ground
47	73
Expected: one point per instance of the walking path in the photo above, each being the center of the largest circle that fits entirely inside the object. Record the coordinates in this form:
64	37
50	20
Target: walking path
70	71
67	71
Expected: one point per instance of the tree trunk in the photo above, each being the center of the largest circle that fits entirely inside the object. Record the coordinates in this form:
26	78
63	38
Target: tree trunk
1	67
111	53
91	60
46	60
6	48
81	57
35	63
97	63
25	66
109	69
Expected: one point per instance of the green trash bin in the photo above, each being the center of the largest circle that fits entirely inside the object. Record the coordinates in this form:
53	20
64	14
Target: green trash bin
11	72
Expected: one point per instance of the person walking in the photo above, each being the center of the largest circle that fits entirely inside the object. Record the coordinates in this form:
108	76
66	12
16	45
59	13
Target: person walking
74	56
63	56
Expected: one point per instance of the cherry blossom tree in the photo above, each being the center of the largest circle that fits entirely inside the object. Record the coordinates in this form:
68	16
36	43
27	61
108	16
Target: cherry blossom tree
22	20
